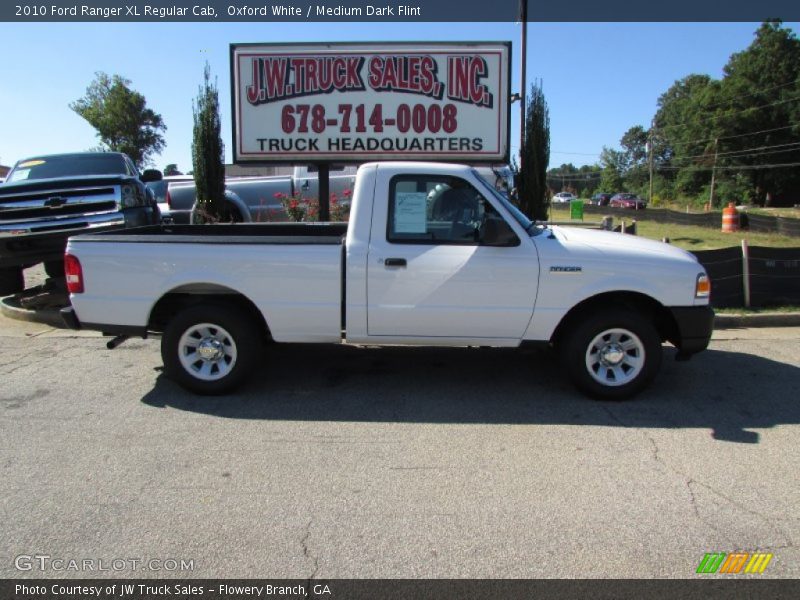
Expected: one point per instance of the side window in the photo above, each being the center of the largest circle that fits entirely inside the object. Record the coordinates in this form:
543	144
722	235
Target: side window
435	210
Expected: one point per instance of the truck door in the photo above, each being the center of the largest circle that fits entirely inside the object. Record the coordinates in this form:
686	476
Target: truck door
430	274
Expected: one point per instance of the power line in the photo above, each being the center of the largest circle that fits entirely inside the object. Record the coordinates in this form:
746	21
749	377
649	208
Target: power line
575	153
732	168
743	152
688	142
759	92
729	114
575	176
738	135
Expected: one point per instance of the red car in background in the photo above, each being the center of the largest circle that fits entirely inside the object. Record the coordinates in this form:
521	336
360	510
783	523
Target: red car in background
627	201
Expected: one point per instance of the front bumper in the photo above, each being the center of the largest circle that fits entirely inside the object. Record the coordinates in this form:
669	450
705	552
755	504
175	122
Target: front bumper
695	325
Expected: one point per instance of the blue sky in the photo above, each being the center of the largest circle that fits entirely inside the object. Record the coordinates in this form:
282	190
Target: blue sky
599	78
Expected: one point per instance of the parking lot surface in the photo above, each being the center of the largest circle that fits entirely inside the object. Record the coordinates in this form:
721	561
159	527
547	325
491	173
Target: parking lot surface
339	462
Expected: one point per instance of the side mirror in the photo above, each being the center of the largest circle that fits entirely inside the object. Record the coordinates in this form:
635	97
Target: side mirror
151	175
496	232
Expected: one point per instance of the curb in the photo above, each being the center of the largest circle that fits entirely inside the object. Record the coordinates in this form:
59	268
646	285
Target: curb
767	319
10	307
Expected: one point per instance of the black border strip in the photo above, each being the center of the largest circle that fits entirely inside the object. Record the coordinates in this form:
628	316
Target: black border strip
702	588
430	11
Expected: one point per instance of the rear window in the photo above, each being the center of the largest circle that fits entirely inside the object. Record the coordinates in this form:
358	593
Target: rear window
68	166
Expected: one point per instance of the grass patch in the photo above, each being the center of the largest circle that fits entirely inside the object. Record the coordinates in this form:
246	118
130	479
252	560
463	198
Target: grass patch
691	237
792	213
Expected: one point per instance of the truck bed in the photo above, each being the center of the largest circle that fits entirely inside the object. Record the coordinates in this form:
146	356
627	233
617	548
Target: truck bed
292	273
245	233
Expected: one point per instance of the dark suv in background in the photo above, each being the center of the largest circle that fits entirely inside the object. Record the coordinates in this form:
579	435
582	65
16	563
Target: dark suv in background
46	199
601	199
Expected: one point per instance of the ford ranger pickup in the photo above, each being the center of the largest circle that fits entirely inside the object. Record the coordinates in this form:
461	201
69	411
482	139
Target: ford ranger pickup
432	255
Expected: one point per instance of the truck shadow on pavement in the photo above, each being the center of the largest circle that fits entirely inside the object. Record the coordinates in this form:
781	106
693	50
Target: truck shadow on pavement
728	393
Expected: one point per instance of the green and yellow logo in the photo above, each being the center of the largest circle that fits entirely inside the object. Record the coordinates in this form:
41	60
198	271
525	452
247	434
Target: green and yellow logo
734	563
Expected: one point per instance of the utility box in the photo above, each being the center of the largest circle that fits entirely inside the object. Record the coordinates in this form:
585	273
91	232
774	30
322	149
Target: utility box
576	210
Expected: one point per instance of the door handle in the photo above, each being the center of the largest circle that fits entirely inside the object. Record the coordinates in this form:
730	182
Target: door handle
395	262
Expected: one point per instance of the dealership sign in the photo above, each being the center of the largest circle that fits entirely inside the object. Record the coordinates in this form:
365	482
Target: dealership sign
356	102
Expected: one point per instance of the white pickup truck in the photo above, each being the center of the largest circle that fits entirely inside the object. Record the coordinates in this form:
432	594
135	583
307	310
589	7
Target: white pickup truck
432	255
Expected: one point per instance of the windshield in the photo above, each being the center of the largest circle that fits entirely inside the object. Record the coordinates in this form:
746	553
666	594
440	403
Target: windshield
518	215
49	167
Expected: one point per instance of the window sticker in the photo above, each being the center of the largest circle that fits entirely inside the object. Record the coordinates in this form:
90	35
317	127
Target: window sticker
409	212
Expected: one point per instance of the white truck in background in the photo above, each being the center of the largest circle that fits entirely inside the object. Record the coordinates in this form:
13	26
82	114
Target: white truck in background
254	199
432	255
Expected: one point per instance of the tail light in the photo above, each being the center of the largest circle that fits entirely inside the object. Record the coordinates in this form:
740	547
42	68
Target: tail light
168	199
74	273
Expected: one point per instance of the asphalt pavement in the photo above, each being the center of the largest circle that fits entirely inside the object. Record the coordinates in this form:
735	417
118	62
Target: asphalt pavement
338	462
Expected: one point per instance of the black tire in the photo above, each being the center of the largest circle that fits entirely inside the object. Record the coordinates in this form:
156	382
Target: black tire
54	268
612	354
231	334
11	281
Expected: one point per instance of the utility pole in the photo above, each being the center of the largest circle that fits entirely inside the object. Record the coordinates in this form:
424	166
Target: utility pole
650	159
523	16
714	172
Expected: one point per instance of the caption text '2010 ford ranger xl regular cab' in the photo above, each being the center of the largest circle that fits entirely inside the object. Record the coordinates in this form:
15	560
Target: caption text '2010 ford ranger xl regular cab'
432	255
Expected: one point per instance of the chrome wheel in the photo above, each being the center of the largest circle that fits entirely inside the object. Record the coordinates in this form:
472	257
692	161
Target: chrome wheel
615	357
207	351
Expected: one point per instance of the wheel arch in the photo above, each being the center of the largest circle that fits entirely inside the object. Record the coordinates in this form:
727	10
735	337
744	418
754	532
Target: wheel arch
643	304
189	295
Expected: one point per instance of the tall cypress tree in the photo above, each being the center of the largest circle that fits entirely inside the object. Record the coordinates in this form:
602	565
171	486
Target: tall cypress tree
533	196
208	155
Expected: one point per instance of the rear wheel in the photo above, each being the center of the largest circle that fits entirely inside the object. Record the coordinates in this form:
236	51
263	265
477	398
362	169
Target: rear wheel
209	349
612	355
11	280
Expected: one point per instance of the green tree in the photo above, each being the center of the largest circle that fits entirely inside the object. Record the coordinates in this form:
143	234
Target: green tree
208	154
611	180
744	124
634	145
171	169
533	194
760	92
121	118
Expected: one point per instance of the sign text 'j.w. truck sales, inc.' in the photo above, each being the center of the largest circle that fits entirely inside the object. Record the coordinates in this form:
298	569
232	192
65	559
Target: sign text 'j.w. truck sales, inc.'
357	102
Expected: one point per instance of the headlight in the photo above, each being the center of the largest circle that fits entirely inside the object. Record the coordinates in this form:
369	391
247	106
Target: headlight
129	196
702	288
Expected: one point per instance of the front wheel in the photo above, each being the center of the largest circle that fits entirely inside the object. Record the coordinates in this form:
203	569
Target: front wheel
612	355
209	349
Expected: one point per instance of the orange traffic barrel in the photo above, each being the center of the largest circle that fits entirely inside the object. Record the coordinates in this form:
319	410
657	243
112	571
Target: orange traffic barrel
730	218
